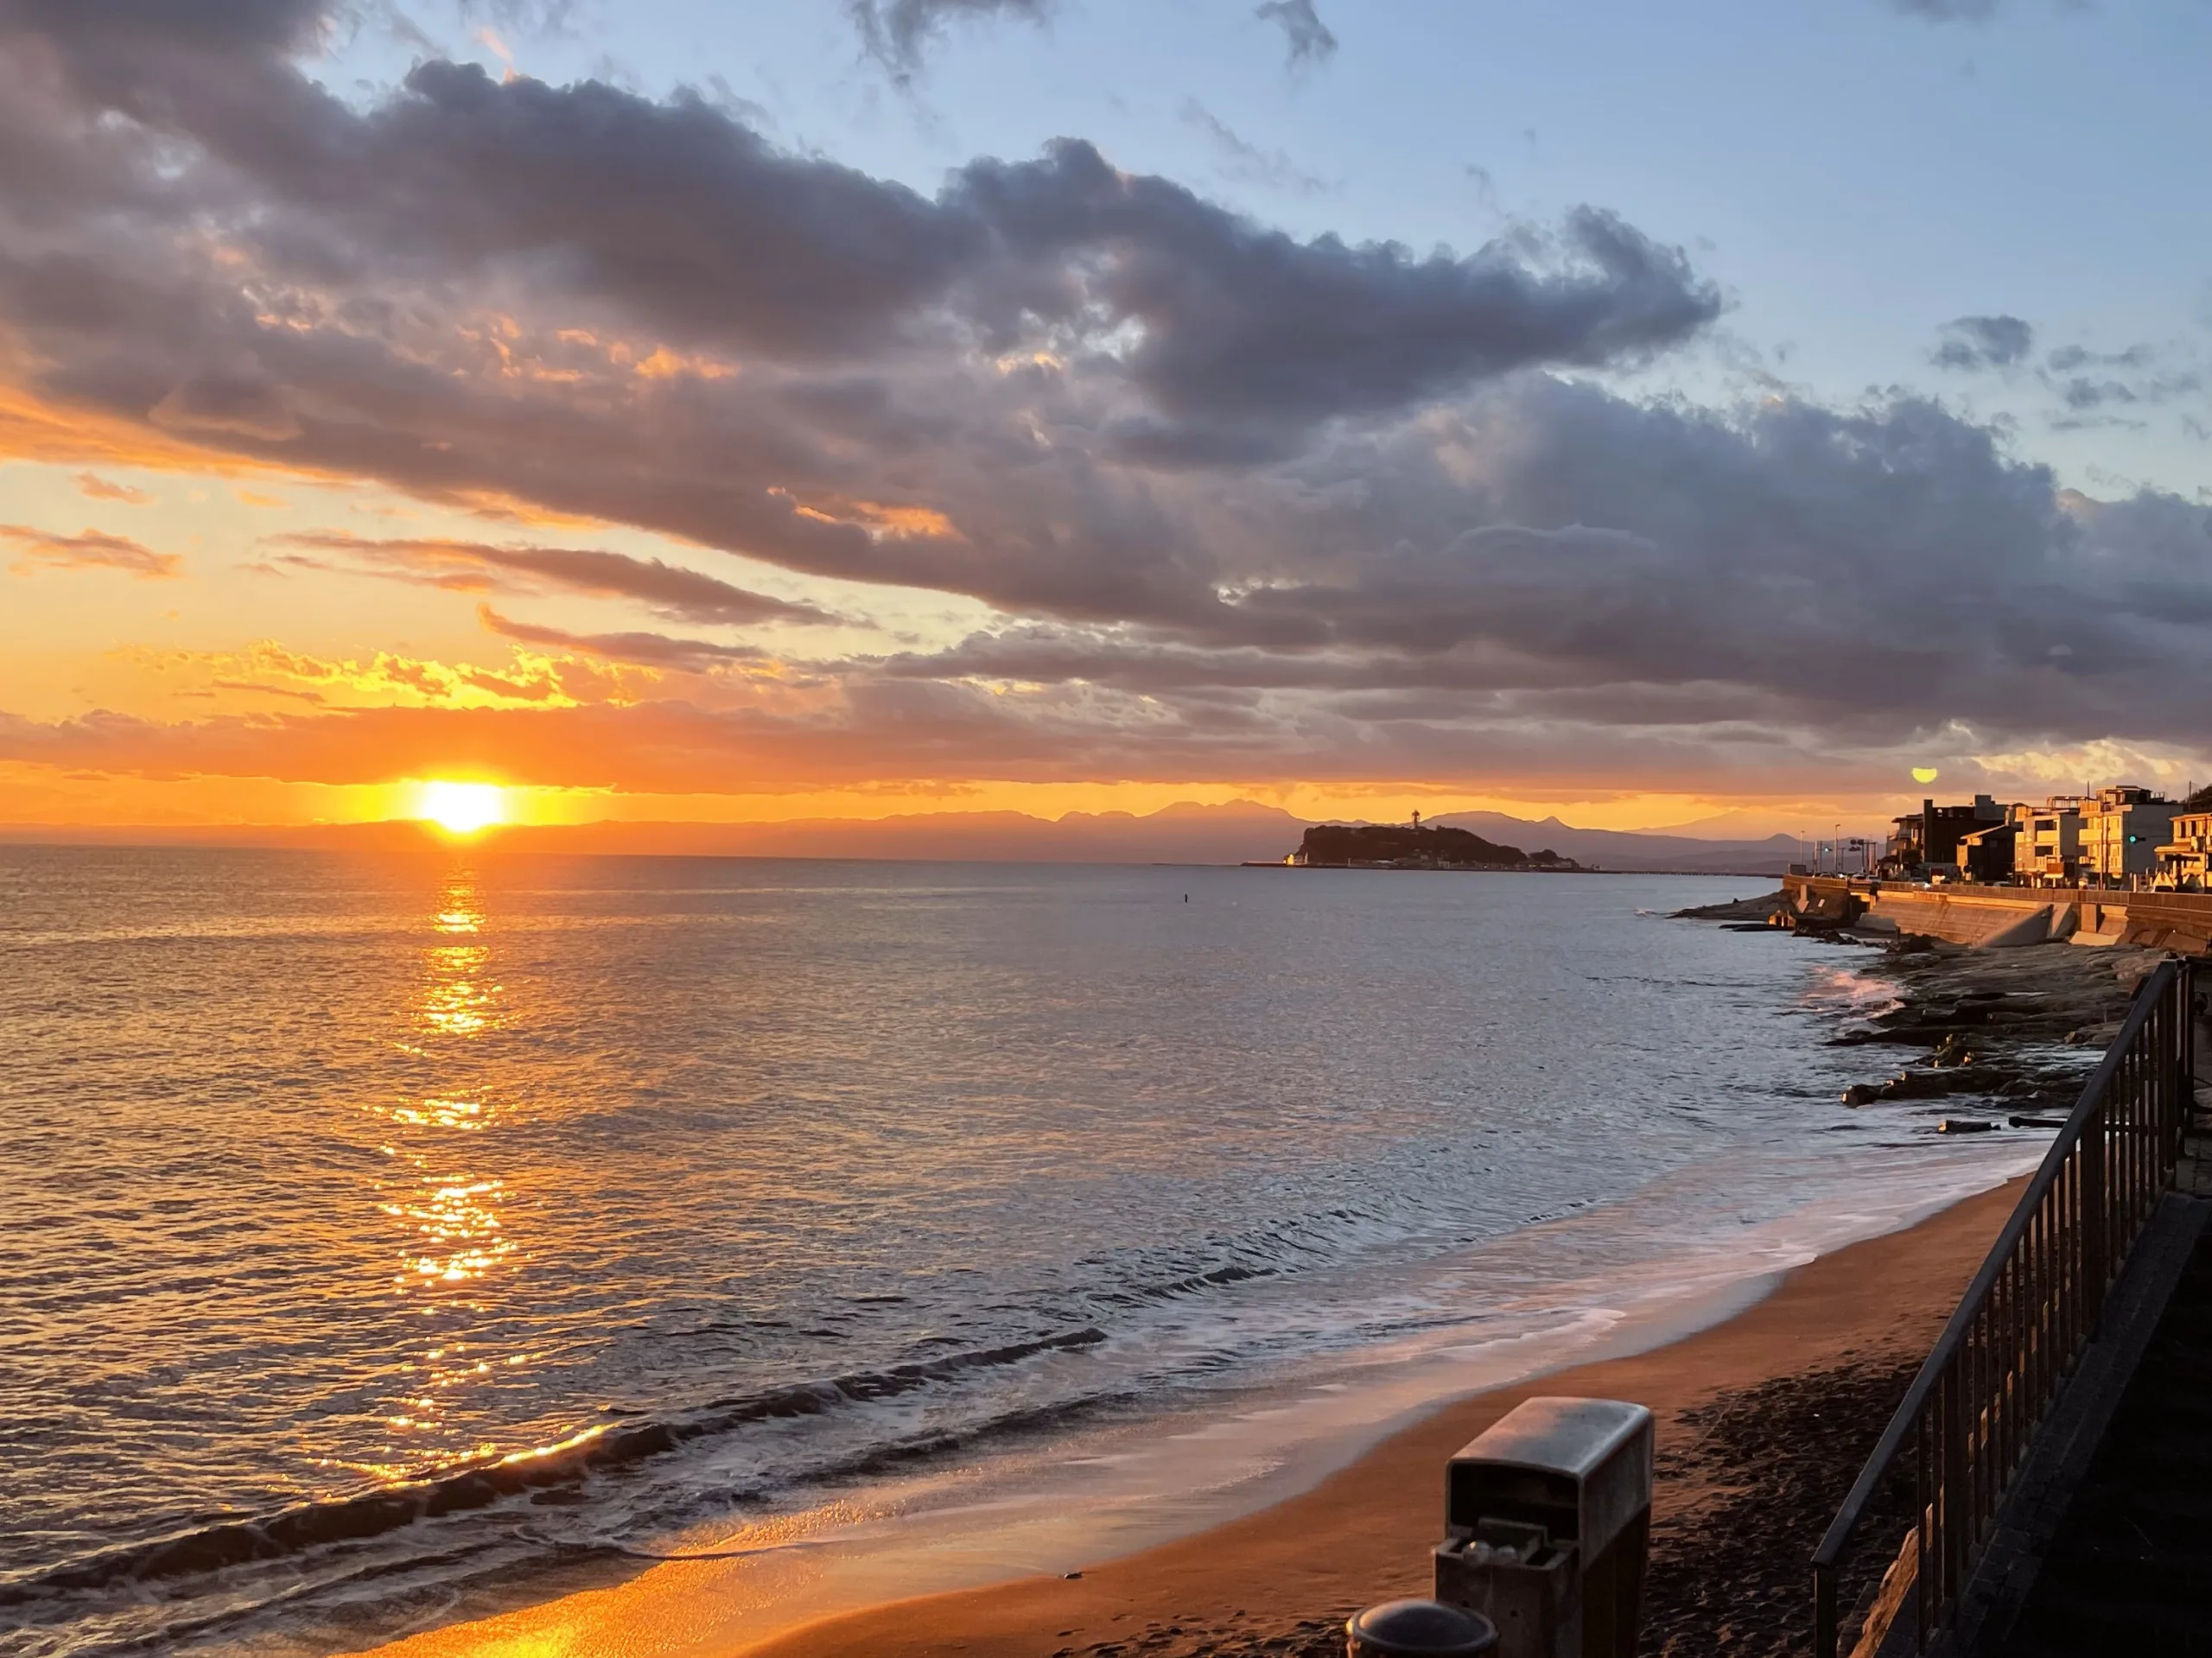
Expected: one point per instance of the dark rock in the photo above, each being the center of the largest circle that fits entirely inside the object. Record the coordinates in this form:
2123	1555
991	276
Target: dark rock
1951	1050
1772	907
1919	1085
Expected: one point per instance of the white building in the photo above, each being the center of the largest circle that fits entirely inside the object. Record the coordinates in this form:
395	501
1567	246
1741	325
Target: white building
2185	861
2049	851
2121	832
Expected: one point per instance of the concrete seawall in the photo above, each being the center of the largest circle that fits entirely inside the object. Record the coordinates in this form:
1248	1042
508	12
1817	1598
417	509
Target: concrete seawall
1999	916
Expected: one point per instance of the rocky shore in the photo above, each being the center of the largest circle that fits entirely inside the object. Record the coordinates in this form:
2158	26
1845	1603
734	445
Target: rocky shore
1985	1037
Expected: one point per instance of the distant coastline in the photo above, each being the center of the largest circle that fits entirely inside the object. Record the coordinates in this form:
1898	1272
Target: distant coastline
1231	833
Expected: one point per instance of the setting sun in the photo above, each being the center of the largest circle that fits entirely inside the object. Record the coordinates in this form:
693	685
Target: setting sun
462	808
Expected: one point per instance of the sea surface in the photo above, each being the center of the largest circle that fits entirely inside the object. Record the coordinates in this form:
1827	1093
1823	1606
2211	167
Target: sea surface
384	1233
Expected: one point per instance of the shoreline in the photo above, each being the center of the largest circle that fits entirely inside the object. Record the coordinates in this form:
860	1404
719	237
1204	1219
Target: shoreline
1280	1579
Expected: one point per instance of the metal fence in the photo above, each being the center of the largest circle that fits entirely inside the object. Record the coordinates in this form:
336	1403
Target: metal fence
1966	1420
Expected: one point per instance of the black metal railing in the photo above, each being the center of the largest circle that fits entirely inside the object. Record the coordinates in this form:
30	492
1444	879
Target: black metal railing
1966	1420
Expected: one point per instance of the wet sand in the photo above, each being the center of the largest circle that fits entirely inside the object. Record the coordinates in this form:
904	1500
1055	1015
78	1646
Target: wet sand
1763	1420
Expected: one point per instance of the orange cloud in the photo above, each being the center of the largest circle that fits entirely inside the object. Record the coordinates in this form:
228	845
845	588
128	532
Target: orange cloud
665	365
511	509
774	739
101	489
645	652
881	520
470	566
90	550
35	428
270	668
57	433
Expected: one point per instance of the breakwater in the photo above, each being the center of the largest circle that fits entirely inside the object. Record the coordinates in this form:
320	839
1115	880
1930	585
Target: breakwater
1997	917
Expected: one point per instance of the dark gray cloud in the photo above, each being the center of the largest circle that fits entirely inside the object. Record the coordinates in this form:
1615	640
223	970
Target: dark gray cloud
1306	37
1977	342
2088	387
2118	388
1549	548
2082	393
257	26
669	588
1243	162
673	213
468	287
1250	505
1244	328
640	650
898	32
674	217
2068	359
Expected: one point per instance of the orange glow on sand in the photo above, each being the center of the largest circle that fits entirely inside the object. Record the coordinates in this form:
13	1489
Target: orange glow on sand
460	808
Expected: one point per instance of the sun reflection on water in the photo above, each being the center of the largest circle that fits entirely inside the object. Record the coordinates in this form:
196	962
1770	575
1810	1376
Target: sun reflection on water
459	1230
458	1002
441	1114
450	1203
458	999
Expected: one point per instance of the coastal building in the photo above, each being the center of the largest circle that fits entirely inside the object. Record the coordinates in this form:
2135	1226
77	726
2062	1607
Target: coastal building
1988	854
2122	830
1928	839
2185	859
2048	850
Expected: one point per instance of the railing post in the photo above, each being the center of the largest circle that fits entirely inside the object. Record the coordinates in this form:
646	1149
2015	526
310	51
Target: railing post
2095	1196
2185	1062
1952	1500
1824	1632
2189	1040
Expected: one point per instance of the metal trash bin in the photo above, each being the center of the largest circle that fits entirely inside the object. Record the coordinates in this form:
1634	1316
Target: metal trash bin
1418	1629
1547	1522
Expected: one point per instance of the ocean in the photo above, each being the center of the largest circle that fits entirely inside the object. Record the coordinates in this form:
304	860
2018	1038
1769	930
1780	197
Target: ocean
389	1239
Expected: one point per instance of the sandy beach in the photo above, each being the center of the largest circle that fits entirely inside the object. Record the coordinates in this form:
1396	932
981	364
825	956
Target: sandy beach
1763	1420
